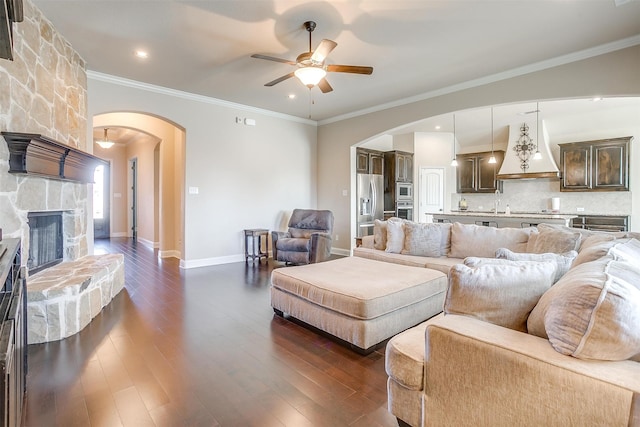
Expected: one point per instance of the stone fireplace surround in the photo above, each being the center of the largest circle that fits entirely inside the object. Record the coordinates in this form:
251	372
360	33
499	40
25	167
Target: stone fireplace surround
63	299
44	90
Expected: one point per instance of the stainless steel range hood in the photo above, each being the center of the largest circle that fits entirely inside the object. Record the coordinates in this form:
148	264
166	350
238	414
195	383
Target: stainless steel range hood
542	168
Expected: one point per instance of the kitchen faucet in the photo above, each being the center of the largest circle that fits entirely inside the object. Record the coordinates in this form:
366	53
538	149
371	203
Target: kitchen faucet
496	202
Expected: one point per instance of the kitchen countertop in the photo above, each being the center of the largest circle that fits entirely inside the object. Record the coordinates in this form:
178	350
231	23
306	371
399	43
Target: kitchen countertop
516	214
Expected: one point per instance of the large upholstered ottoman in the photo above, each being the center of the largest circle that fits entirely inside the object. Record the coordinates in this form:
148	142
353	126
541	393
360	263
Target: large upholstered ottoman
358	300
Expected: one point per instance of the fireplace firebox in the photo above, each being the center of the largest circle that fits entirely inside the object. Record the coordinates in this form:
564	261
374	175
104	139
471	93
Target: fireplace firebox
46	245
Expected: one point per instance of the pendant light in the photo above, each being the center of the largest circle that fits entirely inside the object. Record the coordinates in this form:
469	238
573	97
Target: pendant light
454	162
537	155
105	143
492	159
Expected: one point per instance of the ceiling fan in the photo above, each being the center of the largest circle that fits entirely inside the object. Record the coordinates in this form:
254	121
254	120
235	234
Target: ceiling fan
311	65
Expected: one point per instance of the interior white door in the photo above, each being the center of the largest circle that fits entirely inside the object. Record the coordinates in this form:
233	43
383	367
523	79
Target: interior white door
431	196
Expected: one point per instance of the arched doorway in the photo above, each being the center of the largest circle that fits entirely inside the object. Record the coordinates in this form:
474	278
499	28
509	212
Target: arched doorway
147	165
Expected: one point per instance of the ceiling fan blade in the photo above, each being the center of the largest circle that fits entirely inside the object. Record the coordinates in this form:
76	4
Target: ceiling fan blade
355	69
279	79
271	58
323	50
324	86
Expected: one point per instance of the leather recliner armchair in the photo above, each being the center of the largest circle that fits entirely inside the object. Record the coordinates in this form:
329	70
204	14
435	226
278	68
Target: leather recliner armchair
308	239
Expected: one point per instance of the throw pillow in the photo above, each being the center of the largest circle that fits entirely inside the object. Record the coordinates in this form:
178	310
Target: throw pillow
553	240
563	261
627	251
597	248
395	236
422	239
379	235
500	294
477	240
593	312
445	239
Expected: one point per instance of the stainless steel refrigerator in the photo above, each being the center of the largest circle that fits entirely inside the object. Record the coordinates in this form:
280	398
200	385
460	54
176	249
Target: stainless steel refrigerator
370	202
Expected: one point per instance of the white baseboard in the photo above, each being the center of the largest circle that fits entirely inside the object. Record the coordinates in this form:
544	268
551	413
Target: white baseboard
119	234
169	254
149	243
342	252
205	262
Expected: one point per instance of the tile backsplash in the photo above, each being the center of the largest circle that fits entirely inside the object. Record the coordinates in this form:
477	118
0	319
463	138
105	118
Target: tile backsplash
535	195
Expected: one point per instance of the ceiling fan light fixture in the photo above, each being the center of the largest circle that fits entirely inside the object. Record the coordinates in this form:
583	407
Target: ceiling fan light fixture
105	143
310	76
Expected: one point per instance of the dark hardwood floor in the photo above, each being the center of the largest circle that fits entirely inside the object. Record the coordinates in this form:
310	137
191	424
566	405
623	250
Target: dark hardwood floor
200	347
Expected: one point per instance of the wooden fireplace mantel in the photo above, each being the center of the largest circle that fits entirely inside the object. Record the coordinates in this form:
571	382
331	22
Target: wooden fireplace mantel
34	154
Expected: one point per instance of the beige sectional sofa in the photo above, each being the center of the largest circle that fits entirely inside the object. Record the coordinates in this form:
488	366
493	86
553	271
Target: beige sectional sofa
541	339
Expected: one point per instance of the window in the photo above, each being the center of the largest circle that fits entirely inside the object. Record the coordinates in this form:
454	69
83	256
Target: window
98	193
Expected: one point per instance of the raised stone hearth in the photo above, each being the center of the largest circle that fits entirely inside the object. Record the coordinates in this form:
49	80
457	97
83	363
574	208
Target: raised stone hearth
63	299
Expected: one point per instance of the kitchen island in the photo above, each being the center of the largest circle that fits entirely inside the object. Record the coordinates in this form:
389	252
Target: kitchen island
513	219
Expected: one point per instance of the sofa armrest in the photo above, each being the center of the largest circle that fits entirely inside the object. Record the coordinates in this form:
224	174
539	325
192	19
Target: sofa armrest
496	376
275	235
320	248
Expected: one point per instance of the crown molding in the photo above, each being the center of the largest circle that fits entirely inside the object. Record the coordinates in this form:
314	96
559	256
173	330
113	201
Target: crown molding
515	72
121	81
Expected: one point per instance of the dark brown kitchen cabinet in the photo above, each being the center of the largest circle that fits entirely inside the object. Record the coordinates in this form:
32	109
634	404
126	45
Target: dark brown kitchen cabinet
399	165
601	165
369	161
476	175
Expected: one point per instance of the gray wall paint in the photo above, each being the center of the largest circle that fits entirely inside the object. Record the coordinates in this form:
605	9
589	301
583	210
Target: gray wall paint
247	176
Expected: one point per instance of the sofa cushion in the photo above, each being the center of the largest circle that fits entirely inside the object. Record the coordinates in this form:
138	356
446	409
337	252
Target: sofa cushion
395	236
374	254
553	240
502	294
586	234
595	248
593	312
422	239
442	263
293	244
480	241
562	261
404	356
379	235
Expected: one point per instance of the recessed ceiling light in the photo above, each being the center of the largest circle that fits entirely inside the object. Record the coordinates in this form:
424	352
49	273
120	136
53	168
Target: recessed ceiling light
291	96
437	127
596	98
141	53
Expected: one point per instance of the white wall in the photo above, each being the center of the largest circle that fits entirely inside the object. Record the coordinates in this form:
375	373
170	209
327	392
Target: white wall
246	176
612	74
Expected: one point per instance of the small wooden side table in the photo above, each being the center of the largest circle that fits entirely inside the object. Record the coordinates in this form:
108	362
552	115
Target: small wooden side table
256	236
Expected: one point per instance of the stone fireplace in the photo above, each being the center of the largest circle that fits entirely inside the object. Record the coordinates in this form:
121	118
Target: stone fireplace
46	245
45	198
66	287
44	90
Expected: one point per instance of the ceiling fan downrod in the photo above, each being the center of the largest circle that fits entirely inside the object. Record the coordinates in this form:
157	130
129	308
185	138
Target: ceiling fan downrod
310	26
